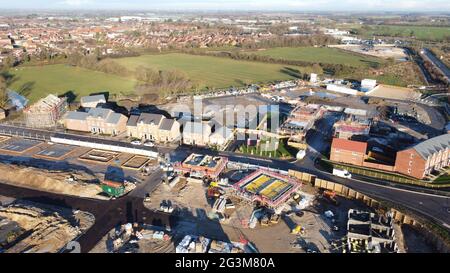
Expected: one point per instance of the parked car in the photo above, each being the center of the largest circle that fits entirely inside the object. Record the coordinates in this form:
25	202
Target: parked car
149	144
136	142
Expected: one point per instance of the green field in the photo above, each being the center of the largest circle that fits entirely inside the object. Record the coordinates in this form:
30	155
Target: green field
419	32
319	55
59	79
215	72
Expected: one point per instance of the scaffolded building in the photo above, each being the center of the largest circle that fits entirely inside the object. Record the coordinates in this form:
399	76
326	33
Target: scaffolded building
46	112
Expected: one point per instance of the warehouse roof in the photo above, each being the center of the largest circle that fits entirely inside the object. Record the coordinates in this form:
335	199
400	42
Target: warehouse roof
432	145
349	145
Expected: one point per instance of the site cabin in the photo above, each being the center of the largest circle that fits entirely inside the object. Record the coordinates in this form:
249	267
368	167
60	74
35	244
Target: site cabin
113	191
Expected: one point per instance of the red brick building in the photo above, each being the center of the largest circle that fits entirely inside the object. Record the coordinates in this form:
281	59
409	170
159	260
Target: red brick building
421	159
348	151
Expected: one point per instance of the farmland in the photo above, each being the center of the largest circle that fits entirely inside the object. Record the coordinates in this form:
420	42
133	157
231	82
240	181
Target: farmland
419	32
215	72
38	81
320	55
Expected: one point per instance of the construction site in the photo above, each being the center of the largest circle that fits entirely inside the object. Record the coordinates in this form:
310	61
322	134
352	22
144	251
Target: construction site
244	204
67	169
28	227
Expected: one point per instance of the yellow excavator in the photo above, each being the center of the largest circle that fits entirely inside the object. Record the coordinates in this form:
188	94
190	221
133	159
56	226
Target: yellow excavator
298	230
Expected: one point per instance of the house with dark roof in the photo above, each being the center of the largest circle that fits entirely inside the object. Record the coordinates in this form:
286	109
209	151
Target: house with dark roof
96	120
425	157
153	127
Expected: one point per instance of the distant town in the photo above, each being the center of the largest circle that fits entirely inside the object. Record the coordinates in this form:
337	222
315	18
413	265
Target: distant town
220	132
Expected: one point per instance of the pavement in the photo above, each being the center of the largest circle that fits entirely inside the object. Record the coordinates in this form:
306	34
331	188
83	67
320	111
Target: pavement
437	63
130	208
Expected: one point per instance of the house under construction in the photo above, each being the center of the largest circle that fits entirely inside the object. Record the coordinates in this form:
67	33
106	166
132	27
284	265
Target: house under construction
46	112
370	233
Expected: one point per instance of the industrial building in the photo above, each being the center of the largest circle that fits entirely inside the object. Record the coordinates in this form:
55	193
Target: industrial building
269	188
370	233
424	158
46	112
200	166
96	120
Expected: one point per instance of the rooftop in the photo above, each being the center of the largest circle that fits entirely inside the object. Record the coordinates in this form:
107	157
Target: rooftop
432	145
349	145
94	98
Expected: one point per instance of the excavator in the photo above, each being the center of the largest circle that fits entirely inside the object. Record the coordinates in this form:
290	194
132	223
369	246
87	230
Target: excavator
298	230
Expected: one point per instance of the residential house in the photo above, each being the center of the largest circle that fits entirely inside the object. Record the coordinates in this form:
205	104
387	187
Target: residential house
92	101
46	112
196	133
348	151
221	136
153	127
96	120
425	157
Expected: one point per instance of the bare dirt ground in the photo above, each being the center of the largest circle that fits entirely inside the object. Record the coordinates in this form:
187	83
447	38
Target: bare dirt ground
378	51
45	228
191	203
118	241
187	198
415	242
54	180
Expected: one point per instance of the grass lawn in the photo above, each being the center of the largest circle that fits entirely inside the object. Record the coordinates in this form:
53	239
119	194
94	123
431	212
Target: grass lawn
283	150
215	72
43	80
320	55
443	179
420	32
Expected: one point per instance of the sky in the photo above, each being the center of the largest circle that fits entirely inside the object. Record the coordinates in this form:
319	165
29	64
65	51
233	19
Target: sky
208	5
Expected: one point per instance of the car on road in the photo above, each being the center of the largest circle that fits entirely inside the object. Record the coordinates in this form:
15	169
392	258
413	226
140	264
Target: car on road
136	142
342	173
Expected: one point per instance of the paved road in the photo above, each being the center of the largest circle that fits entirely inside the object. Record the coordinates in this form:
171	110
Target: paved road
430	205
433	206
437	63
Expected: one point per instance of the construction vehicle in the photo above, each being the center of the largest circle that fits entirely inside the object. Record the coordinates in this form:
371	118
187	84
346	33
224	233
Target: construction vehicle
298	230
275	219
296	197
214	192
330	196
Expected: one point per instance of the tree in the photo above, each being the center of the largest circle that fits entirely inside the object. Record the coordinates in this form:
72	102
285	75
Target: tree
3	92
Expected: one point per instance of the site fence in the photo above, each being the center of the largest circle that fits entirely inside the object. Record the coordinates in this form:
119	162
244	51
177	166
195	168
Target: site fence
385	175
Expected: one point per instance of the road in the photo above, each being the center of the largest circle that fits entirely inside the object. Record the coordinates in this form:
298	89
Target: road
438	64
130	208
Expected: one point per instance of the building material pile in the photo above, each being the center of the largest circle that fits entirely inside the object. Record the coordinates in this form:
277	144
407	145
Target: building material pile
48	229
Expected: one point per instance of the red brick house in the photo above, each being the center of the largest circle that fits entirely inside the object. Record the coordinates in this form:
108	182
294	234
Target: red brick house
348	151
421	159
